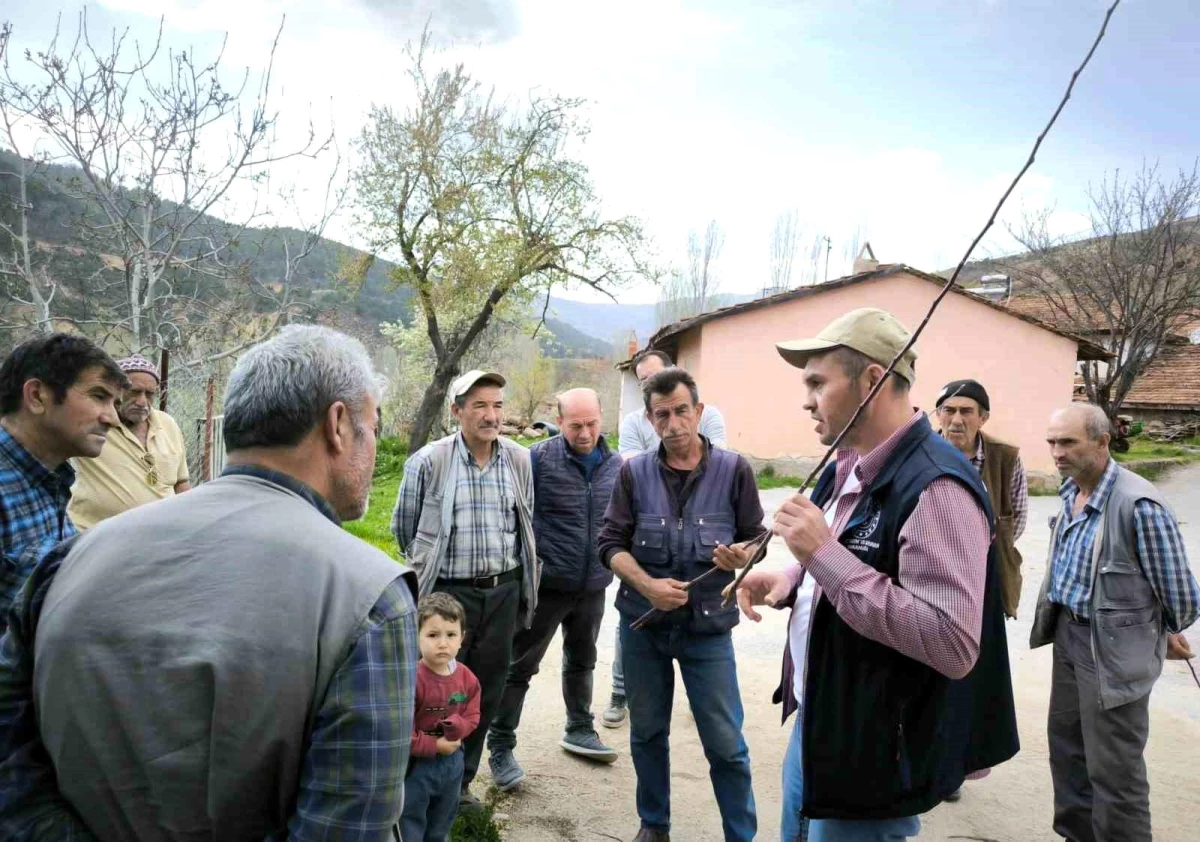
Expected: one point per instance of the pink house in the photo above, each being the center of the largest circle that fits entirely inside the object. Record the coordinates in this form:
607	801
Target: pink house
1027	366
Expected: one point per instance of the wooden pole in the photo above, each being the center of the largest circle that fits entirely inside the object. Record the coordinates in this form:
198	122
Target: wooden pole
164	364
210	395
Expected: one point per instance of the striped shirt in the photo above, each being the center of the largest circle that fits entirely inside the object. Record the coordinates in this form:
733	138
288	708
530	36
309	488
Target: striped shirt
1019	488
483	532
1160	554
33	510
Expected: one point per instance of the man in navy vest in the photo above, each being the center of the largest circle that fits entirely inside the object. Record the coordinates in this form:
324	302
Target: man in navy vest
675	513
896	658
573	476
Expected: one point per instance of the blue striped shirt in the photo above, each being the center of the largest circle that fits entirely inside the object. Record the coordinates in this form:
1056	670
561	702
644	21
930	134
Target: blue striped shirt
33	509
1160	554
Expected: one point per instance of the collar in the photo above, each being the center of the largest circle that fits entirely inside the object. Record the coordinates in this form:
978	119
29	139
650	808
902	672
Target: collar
30	466
288	482
868	467
599	452
464	452
980	452
153	425
1070	488
704	451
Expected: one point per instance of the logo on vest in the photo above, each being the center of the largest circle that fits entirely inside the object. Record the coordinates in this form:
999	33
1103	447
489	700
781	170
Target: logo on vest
859	538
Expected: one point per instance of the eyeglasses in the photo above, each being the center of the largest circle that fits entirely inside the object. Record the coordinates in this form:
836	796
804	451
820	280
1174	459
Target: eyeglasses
151	471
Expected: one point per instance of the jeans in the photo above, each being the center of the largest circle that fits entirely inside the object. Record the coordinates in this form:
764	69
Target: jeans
431	797
579	613
795	828
710	678
618	671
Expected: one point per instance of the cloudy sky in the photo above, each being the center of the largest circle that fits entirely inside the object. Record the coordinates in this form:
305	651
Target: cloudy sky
902	121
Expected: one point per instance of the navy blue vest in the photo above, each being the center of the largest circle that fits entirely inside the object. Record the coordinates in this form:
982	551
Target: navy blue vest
886	736
568	512
679	544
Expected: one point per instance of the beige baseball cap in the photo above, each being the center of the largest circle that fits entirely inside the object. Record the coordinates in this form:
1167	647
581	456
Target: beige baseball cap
875	333
464	384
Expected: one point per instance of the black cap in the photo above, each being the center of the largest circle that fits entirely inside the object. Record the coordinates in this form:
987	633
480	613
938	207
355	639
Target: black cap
964	389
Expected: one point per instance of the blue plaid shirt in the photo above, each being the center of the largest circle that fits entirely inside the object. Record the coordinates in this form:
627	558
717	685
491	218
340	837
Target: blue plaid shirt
33	509
1160	554
352	783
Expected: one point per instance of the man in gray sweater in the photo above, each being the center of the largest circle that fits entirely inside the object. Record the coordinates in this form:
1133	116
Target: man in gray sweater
227	664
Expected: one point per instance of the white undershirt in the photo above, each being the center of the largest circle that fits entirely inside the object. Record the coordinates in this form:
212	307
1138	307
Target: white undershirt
802	609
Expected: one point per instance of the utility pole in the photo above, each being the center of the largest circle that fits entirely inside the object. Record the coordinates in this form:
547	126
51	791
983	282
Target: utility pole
828	248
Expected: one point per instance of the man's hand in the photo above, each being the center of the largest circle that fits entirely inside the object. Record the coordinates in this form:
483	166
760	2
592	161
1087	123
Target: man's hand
445	746
801	524
1178	649
761	587
665	594
733	557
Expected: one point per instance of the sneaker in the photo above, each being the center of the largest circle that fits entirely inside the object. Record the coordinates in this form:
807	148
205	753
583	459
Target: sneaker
614	715
506	771
587	744
468	803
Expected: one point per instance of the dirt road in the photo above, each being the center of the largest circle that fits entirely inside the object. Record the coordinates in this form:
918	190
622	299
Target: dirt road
568	799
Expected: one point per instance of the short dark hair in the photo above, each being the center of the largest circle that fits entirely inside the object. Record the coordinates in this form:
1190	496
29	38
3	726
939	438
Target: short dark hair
440	604
661	356
666	382
57	360
853	363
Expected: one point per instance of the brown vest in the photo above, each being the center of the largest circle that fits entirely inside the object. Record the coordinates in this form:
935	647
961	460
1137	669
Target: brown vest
998	461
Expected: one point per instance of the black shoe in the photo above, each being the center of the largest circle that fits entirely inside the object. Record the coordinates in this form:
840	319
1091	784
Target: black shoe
648	835
468	803
954	796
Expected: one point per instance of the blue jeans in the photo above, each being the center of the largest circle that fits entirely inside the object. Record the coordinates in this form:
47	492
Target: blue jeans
710	678
795	828
431	792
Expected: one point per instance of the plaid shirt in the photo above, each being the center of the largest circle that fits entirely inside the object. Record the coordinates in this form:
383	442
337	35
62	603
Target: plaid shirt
1160	554
352	783
1020	489
33	509
483	531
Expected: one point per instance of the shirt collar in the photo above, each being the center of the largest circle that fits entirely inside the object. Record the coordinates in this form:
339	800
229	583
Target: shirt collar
30	466
288	482
1070	488
869	466
464	452
980	452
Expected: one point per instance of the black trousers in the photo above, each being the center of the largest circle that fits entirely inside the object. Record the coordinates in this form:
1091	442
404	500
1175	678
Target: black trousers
492	618
579	614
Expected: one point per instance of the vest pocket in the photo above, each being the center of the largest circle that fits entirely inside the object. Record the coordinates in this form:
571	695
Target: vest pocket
1120	584
1129	646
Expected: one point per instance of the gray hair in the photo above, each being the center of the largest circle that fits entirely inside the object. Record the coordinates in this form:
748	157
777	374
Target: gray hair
280	389
1095	421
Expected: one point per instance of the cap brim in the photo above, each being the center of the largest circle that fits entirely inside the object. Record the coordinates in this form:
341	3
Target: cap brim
797	352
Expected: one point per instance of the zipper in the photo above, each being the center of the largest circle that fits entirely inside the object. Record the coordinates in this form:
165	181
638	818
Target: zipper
587	561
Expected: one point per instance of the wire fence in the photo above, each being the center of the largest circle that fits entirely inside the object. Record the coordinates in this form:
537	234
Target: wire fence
193	396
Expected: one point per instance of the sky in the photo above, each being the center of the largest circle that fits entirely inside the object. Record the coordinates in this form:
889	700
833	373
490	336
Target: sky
900	123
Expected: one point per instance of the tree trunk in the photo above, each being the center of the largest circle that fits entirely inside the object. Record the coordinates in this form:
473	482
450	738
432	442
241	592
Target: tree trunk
432	404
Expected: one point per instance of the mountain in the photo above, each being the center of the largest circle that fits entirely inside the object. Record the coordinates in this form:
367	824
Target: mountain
613	322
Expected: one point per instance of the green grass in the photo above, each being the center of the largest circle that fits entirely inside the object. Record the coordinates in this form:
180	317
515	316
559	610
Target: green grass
1143	449
476	826
376	527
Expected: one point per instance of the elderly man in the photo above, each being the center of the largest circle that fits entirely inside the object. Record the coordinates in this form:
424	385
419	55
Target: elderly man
198	667
573	477
1117	595
638	435
896	659
464	521
675	513
144	458
58	399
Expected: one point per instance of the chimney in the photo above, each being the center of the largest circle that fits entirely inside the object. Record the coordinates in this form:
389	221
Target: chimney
633	345
865	262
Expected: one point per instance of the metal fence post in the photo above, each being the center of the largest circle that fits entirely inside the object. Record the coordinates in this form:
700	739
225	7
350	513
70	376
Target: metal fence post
209	397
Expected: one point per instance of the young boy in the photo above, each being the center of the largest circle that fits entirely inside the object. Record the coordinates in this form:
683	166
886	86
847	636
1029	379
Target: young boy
446	712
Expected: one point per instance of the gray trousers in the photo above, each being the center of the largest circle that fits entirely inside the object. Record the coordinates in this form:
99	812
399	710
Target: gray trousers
1096	756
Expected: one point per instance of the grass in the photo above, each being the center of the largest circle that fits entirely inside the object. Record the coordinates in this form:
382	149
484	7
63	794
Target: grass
476	825
376	526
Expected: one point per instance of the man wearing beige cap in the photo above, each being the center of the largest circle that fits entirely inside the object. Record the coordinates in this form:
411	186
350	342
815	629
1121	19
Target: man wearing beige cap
896	660
464	521
143	460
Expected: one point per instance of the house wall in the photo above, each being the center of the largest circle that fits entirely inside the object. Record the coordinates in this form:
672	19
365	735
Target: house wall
1028	371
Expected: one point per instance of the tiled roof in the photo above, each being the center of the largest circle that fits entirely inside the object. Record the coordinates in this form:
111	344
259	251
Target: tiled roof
1172	380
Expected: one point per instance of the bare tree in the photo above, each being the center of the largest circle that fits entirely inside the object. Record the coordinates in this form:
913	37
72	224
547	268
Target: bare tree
784	241
484	210
162	146
703	252
1134	280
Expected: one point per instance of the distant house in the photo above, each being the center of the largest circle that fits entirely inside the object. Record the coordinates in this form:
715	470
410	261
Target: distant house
1027	366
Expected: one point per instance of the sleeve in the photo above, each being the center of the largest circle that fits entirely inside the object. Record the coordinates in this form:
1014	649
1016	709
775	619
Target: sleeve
935	612
747	503
407	513
462	725
630	443
423	745
1163	559
712	426
31	807
1020	498
616	535
352	780
181	472
533	469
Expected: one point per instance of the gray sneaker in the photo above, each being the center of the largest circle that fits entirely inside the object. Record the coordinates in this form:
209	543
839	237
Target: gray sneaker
614	715
587	744
506	771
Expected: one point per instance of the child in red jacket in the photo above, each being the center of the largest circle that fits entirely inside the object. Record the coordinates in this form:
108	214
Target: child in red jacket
446	712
